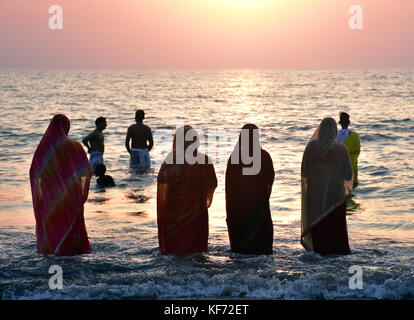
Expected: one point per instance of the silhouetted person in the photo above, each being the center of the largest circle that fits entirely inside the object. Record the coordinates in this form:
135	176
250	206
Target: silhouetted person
249	220
351	141
59	177
185	191
95	142
142	142
326	182
103	179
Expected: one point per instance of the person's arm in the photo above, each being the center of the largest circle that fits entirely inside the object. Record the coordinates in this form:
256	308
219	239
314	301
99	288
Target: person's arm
87	139
150	140
269	171
212	183
127	139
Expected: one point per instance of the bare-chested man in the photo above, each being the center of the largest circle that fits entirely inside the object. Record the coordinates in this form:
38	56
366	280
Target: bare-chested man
95	142
142	142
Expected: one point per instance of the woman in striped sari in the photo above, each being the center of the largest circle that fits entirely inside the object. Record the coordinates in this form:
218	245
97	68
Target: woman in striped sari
59	176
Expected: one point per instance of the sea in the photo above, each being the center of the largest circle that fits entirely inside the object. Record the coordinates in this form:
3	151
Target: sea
287	106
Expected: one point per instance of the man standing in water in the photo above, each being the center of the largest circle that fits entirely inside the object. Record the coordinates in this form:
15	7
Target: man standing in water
95	143
142	142
351	141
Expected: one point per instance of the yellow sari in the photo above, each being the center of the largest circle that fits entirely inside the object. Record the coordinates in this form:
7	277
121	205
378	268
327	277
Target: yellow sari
352	143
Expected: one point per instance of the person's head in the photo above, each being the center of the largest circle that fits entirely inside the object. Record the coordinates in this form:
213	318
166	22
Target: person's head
139	115
344	120
184	137
328	129
61	123
100	123
326	135
247	151
99	170
252	132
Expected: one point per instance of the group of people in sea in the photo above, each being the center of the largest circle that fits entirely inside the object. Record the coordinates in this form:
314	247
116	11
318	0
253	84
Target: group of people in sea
60	176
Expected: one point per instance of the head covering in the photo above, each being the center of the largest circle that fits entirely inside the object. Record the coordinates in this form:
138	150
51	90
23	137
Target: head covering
247	151
59	177
185	147
326	177
325	136
184	193
249	219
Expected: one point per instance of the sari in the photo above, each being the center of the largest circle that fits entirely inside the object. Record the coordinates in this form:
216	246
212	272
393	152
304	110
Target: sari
184	194
326	178
60	175
353	144
249	220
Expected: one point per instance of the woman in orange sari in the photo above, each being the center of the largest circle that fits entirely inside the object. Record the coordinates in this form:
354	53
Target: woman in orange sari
59	176
326	182
185	188
249	220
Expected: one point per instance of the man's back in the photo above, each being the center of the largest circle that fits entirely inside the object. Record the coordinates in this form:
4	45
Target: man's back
140	134
96	141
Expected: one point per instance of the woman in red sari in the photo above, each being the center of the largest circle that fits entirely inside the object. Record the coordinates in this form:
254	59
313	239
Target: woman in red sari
326	182
59	177
249	220
185	187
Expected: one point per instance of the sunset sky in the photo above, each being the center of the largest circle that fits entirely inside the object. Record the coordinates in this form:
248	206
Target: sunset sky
204	34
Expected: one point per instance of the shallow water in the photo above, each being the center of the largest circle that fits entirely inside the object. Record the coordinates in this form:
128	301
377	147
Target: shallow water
287	106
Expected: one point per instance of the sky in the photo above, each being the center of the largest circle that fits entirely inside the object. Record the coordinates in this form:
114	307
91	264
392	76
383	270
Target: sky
207	34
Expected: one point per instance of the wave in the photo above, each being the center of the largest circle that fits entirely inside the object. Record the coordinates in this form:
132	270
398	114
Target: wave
318	285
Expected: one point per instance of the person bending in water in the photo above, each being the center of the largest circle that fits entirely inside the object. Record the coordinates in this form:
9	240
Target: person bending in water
351	141
103	180
142	142
95	143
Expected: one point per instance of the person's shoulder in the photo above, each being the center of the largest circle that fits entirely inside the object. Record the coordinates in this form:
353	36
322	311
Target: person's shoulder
340	148
353	133
72	145
146	127
91	133
266	154
311	146
109	180
165	170
205	159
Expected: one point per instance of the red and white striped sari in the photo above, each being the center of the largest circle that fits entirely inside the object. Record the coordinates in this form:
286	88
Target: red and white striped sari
59	176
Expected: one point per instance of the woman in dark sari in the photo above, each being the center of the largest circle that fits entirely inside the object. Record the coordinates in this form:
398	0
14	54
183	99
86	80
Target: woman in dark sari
59	176
249	221
326	182
185	188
